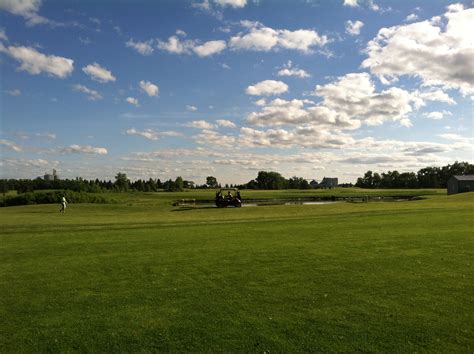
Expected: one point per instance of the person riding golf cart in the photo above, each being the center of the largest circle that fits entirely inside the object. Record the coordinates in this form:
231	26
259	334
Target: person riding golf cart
228	197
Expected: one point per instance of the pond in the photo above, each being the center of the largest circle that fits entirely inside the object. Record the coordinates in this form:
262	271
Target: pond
320	200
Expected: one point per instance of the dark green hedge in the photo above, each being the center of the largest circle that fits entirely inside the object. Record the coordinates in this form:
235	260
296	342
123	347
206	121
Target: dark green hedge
55	198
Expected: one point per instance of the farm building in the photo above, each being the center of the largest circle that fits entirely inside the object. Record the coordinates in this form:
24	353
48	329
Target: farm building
49	177
460	184
328	182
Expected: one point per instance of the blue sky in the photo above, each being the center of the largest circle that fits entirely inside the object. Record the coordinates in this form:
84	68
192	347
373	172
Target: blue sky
230	87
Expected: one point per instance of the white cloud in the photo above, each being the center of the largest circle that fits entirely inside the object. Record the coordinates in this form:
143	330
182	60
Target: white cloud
225	123
267	88
289	70
347	103
176	46
149	88
232	3
353	27
213	138
457	138
3	35
440	55
10	145
200	124
144	48
151	134
132	100
411	18
98	73
258	37
84	149
437	115
14	92
36	63
436	95
304	136
191	108
28	9
351	3
91	94
209	48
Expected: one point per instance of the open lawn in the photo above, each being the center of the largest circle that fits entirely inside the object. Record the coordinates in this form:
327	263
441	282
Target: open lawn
141	275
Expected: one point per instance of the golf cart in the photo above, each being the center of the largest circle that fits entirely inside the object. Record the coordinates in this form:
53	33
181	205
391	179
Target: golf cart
228	197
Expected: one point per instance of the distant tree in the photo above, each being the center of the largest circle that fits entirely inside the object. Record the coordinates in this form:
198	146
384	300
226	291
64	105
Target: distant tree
270	180
211	182
376	180
4	188
122	183
179	184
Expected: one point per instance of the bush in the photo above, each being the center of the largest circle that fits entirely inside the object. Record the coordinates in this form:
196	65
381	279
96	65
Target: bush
54	198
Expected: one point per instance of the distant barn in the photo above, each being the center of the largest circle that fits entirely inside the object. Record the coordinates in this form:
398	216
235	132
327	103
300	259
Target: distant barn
460	184
329	182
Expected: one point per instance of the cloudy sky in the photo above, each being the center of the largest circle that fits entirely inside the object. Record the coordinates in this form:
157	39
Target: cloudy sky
230	87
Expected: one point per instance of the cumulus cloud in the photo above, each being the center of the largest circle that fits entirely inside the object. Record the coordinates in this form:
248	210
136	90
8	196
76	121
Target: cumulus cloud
267	88
436	115
411	18
177	46
347	103
232	3
36	63
209	48
289	70
351	3
435	95
92	95
28	9
439	54
200	124
10	145
149	88
151	134
84	149
225	123
132	101
258	37
353	27
144	48
98	73
191	108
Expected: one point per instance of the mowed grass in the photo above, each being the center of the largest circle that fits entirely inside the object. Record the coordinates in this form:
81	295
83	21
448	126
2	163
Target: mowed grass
142	275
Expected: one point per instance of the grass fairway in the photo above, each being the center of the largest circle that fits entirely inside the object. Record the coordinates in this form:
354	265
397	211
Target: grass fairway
141	275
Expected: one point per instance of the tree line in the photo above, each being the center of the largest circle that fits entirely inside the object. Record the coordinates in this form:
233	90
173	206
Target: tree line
428	177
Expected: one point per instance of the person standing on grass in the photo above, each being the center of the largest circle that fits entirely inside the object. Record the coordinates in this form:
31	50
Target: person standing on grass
63	205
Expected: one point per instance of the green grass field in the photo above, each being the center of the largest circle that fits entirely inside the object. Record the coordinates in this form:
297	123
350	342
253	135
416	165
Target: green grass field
141	275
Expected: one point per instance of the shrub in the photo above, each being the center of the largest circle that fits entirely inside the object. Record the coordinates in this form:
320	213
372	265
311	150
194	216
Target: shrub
54	198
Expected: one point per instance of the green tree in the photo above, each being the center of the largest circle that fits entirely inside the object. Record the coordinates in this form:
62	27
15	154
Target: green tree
122	183
271	180
179	184
211	182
